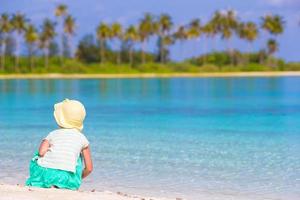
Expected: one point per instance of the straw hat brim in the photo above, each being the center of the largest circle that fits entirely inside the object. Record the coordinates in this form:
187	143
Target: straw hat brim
61	120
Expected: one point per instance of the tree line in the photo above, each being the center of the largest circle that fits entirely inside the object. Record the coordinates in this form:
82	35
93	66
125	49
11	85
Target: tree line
17	28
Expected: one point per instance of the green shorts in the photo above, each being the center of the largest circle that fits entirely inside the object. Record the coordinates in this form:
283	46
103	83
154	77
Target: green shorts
46	177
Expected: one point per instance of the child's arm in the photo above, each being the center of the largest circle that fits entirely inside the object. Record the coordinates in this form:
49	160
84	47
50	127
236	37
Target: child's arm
87	162
44	146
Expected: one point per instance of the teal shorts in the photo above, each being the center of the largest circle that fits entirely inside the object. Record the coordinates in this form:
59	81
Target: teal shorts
46	177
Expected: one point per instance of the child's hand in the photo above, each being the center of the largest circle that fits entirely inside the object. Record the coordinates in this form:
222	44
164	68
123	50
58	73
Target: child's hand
87	162
44	148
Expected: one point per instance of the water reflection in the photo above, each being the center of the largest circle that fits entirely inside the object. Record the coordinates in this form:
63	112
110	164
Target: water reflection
144	87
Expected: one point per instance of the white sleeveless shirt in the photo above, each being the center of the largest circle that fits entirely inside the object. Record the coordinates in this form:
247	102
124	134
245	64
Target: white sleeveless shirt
65	148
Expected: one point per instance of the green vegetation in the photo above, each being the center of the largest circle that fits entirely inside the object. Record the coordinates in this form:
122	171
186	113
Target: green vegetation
113	48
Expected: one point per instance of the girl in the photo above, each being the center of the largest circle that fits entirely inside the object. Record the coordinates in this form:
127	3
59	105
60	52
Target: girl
58	163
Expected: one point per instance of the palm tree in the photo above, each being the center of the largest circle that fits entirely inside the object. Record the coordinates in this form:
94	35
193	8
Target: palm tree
272	24
164	26
194	30
5	28
69	29
103	34
210	31
213	27
61	12
266	23
19	25
181	36
117	33
228	26
272	47
145	30
31	38
166	41
46	36
249	32
131	36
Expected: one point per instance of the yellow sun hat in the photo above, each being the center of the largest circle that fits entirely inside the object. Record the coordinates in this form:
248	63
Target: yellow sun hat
69	114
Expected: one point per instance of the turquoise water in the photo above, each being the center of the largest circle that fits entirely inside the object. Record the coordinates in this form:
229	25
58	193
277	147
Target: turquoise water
177	137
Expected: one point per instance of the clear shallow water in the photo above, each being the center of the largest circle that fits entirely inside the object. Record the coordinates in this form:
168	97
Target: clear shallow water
175	137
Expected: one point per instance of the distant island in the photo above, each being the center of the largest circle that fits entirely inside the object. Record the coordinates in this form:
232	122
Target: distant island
114	49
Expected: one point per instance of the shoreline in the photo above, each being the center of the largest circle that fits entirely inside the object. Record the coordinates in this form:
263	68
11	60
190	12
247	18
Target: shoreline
150	75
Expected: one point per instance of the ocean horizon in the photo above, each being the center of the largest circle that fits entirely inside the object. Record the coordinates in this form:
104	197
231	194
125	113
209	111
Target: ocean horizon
166	137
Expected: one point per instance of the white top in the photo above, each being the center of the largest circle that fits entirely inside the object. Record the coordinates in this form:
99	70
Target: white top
64	150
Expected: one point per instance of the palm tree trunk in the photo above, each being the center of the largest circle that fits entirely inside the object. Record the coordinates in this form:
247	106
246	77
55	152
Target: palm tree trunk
161	48
31	62
195	44
161	51
17	55
181	48
143	52
102	51
62	50
214	49
46	60
261	59
69	45
46	50
204	50
3	55
130	56
119	57
17	63
229	50
264	36
249	52
31	57
269	60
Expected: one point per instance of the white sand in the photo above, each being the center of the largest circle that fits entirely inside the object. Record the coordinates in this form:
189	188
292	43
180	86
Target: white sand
16	192
11	192
149	75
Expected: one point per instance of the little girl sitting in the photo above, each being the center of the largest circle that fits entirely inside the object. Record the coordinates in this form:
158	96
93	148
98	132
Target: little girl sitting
58	163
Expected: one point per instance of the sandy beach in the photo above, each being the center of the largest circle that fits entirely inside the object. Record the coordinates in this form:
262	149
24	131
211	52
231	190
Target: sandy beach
149	75
16	192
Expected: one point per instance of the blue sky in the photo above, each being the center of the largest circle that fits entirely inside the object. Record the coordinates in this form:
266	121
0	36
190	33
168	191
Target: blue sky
89	13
